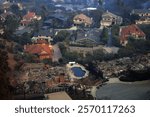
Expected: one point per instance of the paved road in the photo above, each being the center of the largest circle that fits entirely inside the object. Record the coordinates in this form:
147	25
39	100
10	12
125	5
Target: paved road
57	54
124	91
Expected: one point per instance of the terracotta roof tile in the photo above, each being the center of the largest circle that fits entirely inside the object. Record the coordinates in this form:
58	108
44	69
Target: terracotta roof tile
29	15
129	30
39	49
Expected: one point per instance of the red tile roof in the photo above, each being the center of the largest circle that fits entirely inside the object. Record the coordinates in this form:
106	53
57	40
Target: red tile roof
29	15
129	31
40	49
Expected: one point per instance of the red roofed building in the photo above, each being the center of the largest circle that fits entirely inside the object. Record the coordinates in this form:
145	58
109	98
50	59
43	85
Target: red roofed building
29	17
130	31
44	51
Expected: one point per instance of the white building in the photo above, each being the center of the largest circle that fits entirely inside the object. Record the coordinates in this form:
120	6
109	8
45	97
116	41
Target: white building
109	19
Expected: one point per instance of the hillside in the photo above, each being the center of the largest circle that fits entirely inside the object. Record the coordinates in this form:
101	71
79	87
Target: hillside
7	68
8	47
119	6
4	79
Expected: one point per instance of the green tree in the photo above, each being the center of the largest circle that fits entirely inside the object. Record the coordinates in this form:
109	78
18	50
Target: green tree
25	39
115	35
115	30
30	58
61	36
35	25
146	30
15	9
104	35
17	48
98	54
62	48
47	61
89	58
44	11
133	18
129	50
97	16
72	56
126	52
11	24
140	45
116	42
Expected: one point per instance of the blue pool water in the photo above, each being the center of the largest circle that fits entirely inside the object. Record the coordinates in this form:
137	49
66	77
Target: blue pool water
78	72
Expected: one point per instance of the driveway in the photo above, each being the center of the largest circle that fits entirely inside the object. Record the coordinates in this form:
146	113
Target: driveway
124	91
57	53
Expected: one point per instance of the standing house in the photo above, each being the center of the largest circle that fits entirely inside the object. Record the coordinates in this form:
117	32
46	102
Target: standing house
144	15
6	4
90	37
82	19
29	17
42	50
56	20
109	19
141	12
42	35
130	31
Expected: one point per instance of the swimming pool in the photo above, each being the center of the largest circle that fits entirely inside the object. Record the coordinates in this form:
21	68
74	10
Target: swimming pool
78	72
